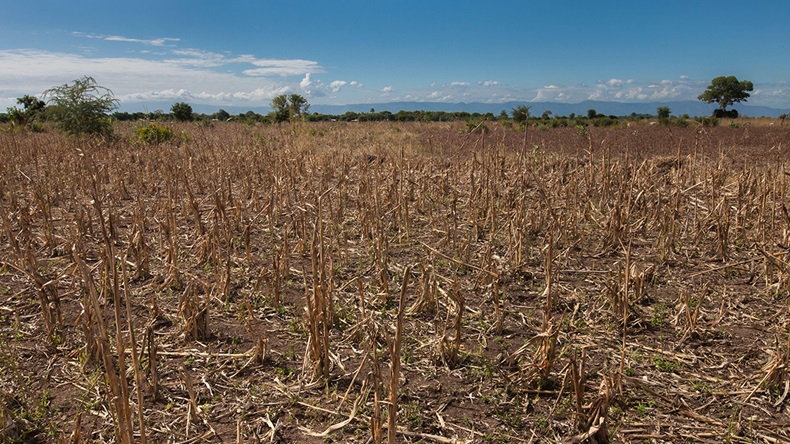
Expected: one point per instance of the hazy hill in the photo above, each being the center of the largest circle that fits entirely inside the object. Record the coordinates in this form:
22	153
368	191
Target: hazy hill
692	108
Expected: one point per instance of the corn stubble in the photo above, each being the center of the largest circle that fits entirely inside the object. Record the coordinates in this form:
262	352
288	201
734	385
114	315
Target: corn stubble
550	285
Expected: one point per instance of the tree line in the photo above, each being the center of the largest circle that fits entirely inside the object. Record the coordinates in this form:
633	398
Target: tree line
84	107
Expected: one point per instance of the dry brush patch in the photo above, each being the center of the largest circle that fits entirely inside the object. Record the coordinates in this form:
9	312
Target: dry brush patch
396	282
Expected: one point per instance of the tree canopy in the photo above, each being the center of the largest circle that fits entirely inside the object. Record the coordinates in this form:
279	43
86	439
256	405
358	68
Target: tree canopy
287	107
663	112
521	113
182	111
726	91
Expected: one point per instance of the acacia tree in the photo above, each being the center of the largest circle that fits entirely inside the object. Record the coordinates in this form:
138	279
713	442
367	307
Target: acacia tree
82	107
726	91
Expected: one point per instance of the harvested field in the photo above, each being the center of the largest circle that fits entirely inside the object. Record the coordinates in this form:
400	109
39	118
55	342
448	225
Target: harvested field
395	282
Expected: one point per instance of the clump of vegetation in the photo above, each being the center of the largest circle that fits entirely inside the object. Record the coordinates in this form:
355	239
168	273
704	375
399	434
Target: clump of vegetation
153	134
31	114
82	108
182	112
288	107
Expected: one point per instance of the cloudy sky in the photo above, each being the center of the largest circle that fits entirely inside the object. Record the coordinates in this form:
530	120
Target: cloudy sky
243	53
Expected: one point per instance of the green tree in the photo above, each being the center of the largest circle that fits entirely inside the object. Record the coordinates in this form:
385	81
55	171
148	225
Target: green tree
297	105
726	91
32	110
592	113
279	106
663	112
521	113
251	116
287	107
182	112
82	107
221	115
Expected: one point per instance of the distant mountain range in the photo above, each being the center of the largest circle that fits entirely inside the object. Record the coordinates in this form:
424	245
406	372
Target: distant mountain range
677	108
691	108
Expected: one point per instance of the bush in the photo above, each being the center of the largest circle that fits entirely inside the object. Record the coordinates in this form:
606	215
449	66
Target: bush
82	107
708	121
153	134
31	114
605	121
720	114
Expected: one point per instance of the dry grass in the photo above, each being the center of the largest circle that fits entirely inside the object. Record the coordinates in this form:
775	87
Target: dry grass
396	282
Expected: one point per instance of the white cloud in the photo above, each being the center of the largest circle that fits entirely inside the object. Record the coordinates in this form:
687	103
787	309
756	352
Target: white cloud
133	79
198	58
555	93
267	67
307	82
387	89
260	95
336	85
117	38
312	87
152	42
488	83
458	84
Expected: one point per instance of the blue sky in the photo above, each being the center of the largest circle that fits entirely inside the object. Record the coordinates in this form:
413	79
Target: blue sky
243	53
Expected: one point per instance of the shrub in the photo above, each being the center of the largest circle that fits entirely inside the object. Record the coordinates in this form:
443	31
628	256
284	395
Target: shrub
153	134
82	107
731	114
605	121
708	121
31	114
